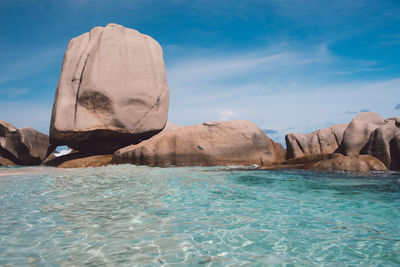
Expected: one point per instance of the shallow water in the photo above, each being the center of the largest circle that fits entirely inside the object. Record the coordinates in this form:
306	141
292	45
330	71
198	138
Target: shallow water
129	215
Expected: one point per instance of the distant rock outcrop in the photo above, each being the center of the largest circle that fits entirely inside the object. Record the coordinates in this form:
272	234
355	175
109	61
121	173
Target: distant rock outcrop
357	134
322	141
384	143
209	144
367	134
24	146
112	91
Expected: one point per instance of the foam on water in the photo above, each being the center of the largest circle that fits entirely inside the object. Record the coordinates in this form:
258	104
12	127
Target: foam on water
128	215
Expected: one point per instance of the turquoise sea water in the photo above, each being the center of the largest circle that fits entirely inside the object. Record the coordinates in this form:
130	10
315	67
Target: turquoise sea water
142	216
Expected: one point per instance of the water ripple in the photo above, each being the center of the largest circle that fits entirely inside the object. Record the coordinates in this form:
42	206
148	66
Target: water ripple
140	216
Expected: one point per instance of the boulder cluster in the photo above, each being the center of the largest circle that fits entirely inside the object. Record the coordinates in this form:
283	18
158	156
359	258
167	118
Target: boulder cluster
24	146
111	107
368	136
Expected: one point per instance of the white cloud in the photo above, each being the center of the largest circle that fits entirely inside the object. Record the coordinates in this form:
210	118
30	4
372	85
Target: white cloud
226	115
219	66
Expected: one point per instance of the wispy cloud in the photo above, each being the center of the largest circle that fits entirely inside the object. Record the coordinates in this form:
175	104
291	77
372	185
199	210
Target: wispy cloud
338	12
218	66
30	64
273	63
12	93
275	88
226	115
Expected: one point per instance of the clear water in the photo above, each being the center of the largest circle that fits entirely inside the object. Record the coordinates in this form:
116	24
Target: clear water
142	216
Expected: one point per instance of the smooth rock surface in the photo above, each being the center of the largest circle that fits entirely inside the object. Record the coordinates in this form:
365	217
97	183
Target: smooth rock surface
332	162
79	160
357	134
396	147
170	126
310	159
384	144
24	146
322	141
9	142
112	91
362	163
209	144
6	162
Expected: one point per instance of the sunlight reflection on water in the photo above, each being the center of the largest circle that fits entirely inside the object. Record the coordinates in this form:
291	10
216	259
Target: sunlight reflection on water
128	215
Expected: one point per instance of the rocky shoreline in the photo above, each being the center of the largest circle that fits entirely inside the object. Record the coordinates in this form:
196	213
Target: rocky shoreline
111	107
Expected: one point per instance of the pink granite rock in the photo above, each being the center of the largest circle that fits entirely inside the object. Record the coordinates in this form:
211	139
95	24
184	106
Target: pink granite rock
323	141
209	144
112	91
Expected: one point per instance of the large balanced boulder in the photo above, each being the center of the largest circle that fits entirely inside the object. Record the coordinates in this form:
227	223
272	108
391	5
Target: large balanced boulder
384	144
24	146
357	134
209	144
322	141
112	91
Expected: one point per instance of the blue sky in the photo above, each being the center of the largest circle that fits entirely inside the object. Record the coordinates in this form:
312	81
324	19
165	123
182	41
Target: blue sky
288	66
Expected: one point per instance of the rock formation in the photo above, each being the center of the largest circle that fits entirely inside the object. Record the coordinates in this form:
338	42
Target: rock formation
6	162
384	144
362	163
112	91
357	134
208	144
322	141
24	146
367	134
170	126
79	160
332	162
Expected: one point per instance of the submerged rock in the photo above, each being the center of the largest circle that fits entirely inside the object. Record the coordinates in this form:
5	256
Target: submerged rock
322	141
362	163
209	144
112	91
332	162
24	146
